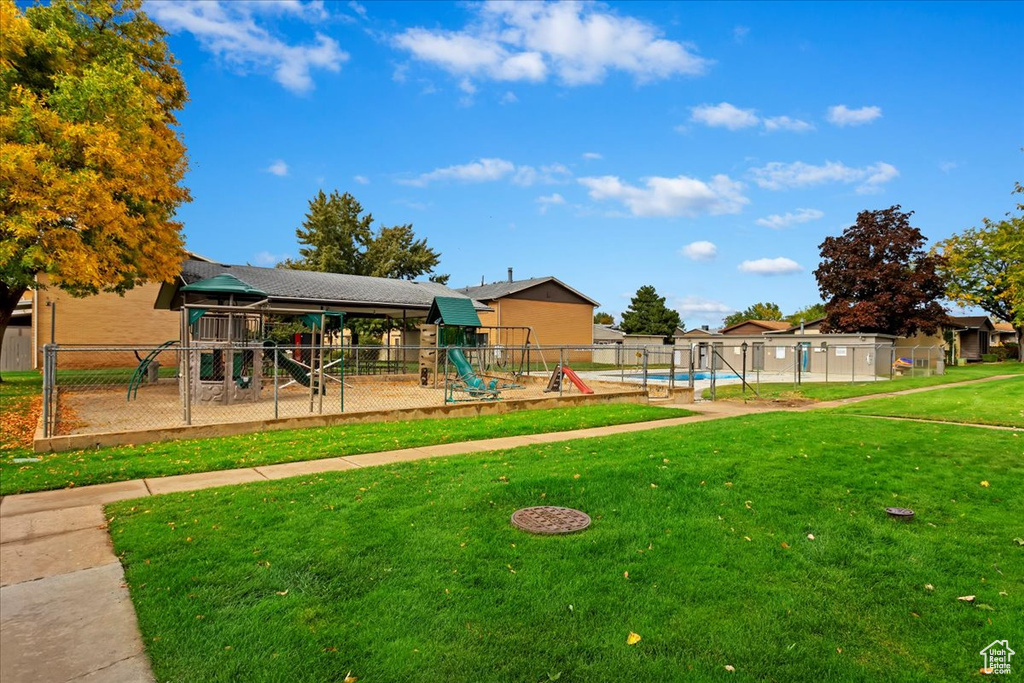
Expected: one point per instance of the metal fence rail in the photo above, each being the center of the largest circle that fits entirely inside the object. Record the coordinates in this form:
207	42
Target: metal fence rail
91	389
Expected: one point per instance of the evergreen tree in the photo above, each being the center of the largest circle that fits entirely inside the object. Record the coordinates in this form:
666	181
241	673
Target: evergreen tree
648	314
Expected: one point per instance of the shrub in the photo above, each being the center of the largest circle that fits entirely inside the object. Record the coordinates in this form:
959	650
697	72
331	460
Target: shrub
990	357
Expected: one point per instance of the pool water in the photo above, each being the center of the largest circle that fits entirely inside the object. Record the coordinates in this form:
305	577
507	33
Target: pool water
685	377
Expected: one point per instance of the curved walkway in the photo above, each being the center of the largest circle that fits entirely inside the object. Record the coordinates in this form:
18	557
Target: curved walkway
65	611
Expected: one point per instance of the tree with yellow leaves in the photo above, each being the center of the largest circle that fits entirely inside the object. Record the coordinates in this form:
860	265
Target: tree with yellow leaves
984	267
91	164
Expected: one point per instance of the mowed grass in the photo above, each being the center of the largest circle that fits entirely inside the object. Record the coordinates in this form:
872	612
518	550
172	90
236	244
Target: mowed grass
100	466
820	391
701	543
999	402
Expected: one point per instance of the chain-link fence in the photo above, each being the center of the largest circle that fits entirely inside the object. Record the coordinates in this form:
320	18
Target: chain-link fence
90	389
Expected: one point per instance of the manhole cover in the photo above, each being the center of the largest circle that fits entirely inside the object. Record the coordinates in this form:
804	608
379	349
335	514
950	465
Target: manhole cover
900	513
550	520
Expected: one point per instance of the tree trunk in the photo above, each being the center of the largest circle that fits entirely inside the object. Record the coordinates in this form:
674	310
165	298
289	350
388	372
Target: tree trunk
9	299
1020	343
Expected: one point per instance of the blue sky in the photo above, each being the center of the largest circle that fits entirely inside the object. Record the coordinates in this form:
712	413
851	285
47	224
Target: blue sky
705	149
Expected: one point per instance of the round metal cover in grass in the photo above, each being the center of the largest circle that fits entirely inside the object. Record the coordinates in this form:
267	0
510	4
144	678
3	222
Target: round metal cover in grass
547	519
905	514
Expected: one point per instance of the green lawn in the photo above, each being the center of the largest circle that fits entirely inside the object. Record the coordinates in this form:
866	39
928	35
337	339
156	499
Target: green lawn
820	391
996	403
412	572
98	466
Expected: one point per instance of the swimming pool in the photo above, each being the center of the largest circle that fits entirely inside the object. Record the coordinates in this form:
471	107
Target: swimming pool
685	377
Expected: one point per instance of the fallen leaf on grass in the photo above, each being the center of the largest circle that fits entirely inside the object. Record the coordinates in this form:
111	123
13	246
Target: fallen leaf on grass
929	587
349	678
284	592
1019	541
966	598
990	608
984	484
633	638
810	537
625	575
730	668
784	545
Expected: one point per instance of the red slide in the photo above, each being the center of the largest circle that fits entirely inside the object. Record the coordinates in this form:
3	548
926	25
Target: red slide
571	375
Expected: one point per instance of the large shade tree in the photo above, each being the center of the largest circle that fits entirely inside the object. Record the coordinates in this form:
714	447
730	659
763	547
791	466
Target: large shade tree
876	277
91	163
648	314
760	311
984	267
337	237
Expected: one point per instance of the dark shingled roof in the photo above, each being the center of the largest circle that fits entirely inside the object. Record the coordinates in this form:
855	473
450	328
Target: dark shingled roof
496	290
326	288
971	321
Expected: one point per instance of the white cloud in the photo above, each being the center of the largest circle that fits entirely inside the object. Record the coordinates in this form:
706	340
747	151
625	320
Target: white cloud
777	221
550	200
724	115
700	251
265	258
278	168
740	33
508	98
592	156
361	179
230	31
679	196
947	166
579	43
357	8
777	175
841	115
699	308
775	123
490	170
771	266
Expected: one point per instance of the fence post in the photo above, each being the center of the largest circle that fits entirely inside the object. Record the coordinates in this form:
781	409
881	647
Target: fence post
47	389
672	372
645	368
188	385
561	366
796	365
690	381
853	365
825	346
275	384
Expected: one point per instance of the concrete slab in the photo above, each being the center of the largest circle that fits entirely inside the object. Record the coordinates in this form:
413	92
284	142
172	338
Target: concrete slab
39	558
202	480
132	670
296	469
50	522
65	627
387	457
498	444
100	494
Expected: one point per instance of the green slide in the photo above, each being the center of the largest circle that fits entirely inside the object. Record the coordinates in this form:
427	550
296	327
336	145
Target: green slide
139	376
297	371
474	384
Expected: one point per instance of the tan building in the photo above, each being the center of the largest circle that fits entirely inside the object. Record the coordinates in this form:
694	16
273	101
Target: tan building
104	319
555	313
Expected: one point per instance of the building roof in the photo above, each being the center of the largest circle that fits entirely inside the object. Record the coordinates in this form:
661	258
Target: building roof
1004	327
607	333
496	290
698	332
971	322
766	325
337	290
455	311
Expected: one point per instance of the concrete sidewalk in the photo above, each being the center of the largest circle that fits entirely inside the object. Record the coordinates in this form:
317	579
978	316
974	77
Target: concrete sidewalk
65	611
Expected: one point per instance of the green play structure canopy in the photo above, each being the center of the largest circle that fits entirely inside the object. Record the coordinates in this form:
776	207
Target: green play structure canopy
449	310
223	284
